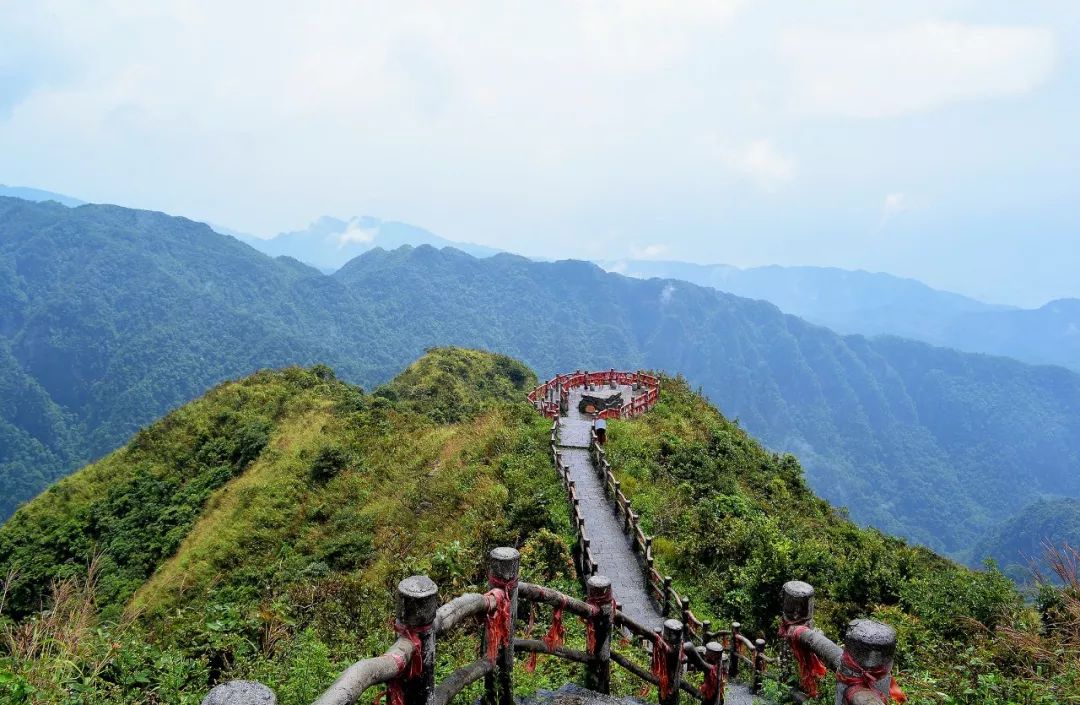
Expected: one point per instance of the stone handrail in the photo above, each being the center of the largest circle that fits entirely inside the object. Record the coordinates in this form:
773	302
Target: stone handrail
408	667
689	645
738	649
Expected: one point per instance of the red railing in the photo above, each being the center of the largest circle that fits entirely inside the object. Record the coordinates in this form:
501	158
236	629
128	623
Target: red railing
546	396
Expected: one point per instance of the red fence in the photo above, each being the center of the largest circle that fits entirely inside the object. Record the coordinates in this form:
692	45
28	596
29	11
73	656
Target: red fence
546	397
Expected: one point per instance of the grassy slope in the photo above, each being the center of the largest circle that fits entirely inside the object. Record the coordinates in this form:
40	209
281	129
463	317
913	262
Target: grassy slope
734	522
260	531
283	561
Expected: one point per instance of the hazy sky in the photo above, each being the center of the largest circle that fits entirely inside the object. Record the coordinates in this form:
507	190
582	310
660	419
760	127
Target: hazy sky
939	139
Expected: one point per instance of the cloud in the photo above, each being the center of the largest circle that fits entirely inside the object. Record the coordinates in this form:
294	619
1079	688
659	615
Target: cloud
859	73
649	251
355	234
667	294
761	162
894	203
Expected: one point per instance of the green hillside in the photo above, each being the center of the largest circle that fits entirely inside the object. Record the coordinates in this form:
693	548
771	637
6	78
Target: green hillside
259	532
110	317
1019	543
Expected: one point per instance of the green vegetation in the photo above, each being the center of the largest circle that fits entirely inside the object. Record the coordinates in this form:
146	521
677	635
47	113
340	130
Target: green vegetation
1019	544
260	531
734	522
109	317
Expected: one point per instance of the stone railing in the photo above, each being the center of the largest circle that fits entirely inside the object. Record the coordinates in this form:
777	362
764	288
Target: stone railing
583	558
407	668
552	396
740	651
685	649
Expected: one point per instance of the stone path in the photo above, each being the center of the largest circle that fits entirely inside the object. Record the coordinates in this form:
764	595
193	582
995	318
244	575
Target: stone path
611	548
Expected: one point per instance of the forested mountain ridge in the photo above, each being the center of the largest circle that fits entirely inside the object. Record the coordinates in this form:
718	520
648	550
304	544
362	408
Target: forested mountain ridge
898	431
258	531
874	303
1048	335
113	316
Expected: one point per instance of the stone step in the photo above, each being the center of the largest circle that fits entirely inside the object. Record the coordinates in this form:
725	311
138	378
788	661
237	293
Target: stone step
570	694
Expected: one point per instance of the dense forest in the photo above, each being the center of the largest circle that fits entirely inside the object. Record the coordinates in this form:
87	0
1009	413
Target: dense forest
873	303
259	531
110	317
1019	544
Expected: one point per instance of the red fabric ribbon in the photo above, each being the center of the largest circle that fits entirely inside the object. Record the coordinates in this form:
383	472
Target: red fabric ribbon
393	688
867	679
659	664
590	629
497	626
554	637
713	683
811	668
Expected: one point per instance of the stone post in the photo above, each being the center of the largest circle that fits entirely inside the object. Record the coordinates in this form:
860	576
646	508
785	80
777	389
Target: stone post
503	573
418	598
759	665
667	596
871	645
714	656
687	624
797	606
733	656
673	637
240	693
797	602
598	670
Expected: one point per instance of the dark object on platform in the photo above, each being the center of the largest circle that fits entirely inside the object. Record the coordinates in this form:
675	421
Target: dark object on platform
595	403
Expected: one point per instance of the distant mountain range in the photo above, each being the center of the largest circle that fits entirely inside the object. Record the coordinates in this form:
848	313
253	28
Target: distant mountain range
882	304
867	303
37	195
111	316
329	243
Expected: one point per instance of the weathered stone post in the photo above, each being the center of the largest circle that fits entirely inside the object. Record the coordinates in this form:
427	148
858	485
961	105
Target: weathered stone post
759	665
869	648
733	656
797	606
714	656
797	602
503	574
598	670
686	614
673	637
240	693
418	598
667	596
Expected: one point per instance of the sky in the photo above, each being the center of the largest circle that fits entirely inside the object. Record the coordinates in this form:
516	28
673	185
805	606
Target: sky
936	140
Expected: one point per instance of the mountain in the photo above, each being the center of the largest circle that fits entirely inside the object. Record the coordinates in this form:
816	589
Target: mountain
1046	335
329	243
258	532
920	441
869	303
1019	543
110	316
34	194
113	316
881	304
